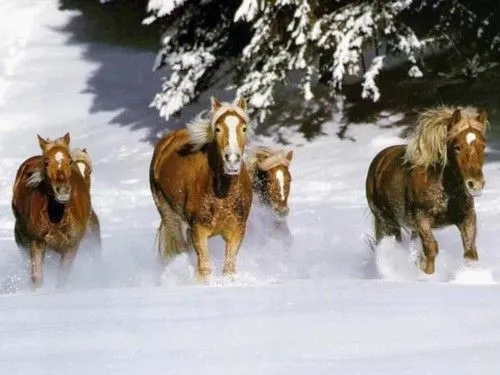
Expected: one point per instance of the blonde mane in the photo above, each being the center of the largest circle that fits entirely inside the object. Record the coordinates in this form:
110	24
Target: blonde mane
78	155
265	158
428	146
201	128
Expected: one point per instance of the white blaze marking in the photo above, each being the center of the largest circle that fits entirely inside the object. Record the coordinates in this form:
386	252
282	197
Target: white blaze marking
232	123
59	158
470	137
281	179
82	167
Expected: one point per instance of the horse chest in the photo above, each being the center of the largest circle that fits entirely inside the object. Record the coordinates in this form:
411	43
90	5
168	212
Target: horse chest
223	213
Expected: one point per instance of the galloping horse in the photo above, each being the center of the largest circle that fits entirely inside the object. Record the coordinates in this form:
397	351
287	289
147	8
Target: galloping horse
51	205
431	182
82	160
271	180
201	187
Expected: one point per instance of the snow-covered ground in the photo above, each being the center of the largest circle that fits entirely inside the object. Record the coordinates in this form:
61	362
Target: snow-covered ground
326	306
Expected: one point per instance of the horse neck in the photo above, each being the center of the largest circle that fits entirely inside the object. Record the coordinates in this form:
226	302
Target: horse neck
452	181
222	183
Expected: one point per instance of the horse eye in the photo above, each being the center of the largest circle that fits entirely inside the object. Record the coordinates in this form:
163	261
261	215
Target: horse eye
244	129
46	163
456	148
217	130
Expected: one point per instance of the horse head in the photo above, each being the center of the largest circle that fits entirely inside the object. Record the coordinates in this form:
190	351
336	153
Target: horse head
82	160
272	176
466	144
57	166
227	130
230	125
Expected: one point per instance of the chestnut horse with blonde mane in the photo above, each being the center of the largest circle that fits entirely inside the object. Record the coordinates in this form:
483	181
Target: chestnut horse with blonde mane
82	160
432	181
51	206
201	187
271	180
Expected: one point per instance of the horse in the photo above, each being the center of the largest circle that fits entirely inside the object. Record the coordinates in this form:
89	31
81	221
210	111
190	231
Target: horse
431	182
201	186
82	160
271	181
51	207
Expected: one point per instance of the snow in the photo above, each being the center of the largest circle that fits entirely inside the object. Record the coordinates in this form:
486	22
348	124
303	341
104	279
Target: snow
328	305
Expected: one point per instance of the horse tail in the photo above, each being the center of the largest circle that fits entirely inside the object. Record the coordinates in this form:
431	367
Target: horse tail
94	234
171	236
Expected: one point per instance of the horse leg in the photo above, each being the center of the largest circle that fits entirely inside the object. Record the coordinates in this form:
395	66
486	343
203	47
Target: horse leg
378	229
468	233
233	243
37	253
200	242
429	245
397	233
65	265
94	232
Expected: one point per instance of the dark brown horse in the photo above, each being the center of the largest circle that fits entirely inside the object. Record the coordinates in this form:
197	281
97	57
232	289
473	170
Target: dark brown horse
201	187
432	181
271	181
51	206
82	160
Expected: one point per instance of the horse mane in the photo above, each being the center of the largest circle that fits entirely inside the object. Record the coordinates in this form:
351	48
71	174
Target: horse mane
201	128
428	145
265	158
79	155
35	179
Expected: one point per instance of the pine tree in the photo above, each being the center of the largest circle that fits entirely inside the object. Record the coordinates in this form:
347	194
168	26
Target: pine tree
265	42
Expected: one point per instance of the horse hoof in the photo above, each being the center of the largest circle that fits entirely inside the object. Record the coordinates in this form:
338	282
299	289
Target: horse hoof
426	265
203	276
229	275
36	283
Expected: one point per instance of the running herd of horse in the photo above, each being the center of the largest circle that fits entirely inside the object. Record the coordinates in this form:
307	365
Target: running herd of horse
203	186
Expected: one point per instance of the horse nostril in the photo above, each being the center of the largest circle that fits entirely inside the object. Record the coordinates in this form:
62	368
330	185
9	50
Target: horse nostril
470	184
226	157
238	158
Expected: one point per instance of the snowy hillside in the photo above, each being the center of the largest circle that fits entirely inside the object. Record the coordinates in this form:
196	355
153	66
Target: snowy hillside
327	306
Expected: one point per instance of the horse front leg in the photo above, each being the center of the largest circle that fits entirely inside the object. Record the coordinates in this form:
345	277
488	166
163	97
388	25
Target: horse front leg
429	245
233	241
65	265
200	236
37	254
468	232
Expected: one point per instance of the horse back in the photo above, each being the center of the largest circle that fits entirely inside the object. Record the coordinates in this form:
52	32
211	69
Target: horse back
21	190
179	174
386	180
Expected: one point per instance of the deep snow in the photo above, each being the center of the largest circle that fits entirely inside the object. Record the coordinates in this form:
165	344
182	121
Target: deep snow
326	306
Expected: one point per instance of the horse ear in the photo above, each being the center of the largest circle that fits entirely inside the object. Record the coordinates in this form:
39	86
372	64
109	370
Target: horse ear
455	118
289	155
42	142
242	103
85	150
482	117
66	138
215	103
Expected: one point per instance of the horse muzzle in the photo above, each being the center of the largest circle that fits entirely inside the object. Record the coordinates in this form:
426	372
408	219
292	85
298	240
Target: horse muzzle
474	187
232	168
62	193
